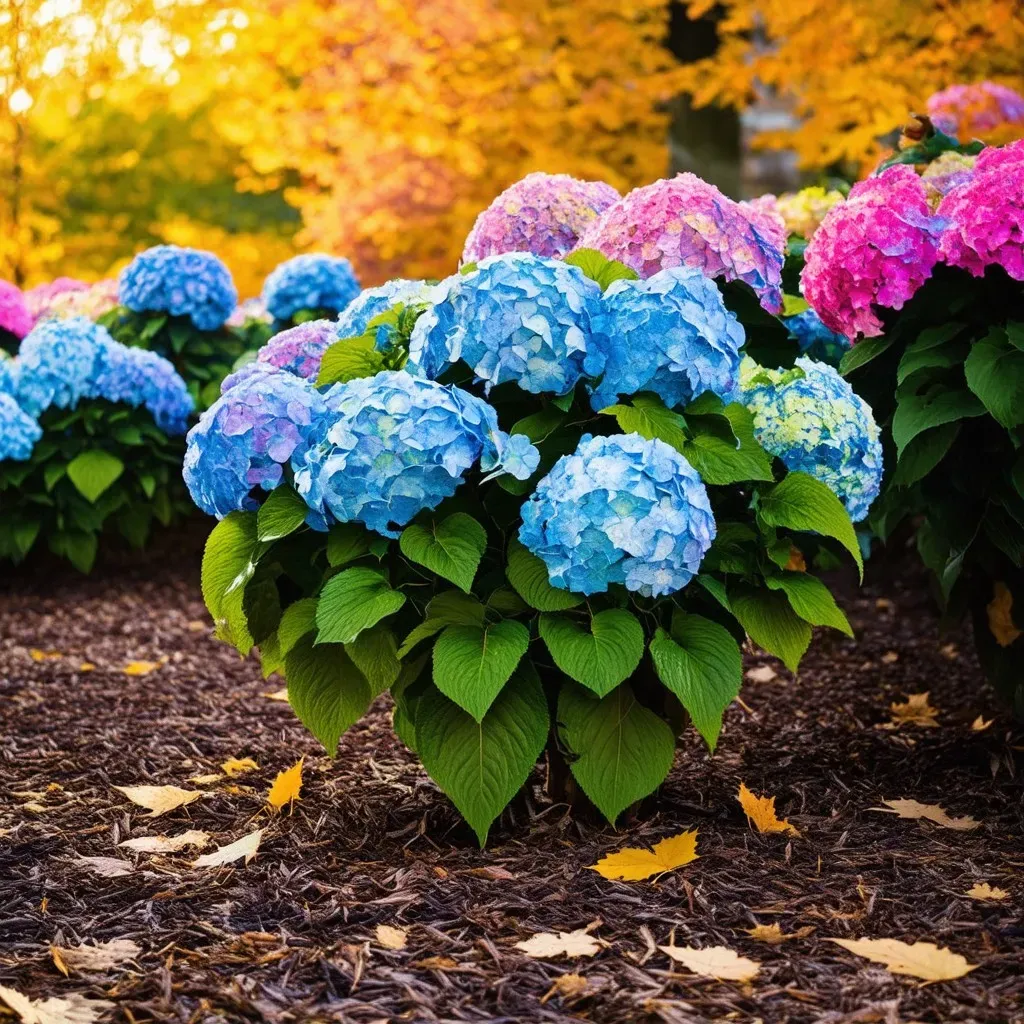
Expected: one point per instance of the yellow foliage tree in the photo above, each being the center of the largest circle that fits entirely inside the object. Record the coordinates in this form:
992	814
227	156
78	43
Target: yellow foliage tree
404	118
853	70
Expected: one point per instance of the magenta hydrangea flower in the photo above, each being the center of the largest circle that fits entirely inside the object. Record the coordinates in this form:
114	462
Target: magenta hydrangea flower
967	110
685	222
875	249
300	349
543	213
14	315
985	215
40	299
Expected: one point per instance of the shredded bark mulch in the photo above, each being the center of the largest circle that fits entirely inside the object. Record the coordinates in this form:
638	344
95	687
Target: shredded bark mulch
292	935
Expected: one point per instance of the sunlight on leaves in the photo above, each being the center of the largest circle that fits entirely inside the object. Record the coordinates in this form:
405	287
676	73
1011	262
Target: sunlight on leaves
633	864
760	812
922	960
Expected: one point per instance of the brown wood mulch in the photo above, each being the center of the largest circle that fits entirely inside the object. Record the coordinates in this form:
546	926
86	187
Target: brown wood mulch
291	936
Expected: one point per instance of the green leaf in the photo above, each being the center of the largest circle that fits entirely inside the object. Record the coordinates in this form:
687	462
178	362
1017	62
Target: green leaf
649	417
77	546
352	601
811	600
716	588
623	750
700	662
451	548
529	575
863	352
599	268
229	561
539	425
473	663
916	413
924	453
771	623
297	620
93	472
794	304
282	513
600	657
325	690
349	359
482	765
346	542
800	502
375	653
726	457
450	608
933	348
54	472
995	373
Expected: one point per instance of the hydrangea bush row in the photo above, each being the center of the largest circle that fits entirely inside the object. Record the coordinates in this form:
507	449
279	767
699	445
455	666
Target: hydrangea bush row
542	504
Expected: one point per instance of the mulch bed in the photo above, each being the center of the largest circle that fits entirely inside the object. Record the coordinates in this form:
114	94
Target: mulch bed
291	936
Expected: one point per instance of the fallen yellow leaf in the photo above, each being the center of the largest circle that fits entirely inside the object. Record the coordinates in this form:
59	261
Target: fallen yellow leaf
206	780
286	786
545	945
761	674
984	891
86	666
238	766
633	863
36	655
890	658
281	695
981	724
1000	615
101	957
72	1009
159	799
916	711
141	668
567	986
436	963
760	810
774	935
922	960
714	962
930	812
167	844
390	937
245	847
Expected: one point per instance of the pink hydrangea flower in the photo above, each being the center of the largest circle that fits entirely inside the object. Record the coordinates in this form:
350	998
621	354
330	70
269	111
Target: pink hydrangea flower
543	213
40	299
875	249
968	110
14	314
985	215
684	221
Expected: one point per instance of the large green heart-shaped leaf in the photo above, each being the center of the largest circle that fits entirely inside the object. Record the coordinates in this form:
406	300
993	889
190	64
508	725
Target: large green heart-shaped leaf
282	513
600	657
93	471
452	548
529	575
352	601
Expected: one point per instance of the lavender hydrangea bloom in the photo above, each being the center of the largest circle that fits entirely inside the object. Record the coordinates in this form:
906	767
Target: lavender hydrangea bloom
394	445
670	334
56	363
815	339
621	509
812	420
247	437
517	317
18	431
299	349
182	282
310	281
373	301
243	372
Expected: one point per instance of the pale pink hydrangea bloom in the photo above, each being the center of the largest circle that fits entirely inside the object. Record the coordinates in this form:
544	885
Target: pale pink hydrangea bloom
875	249
40	299
967	110
92	301
684	221
985	215
14	314
543	213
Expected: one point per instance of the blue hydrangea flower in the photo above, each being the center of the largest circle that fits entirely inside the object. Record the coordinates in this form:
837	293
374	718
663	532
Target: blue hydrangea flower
299	349
373	301
516	317
8	372
247	437
244	372
56	363
621	509
395	445
311	281
817	341
18	431
182	282
812	419
670	334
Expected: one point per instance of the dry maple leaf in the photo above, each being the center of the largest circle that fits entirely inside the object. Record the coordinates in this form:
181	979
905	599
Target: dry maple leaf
239	766
760	810
546	945
984	891
633	864
108	867
245	847
931	812
774	935
761	674
567	986
1000	615
717	962
73	1009
142	668
101	957
159	799
916	711
981	724
286	786
922	960
390	937
167	844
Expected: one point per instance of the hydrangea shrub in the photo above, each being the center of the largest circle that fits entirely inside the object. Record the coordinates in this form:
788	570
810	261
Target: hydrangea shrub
91	435
537	550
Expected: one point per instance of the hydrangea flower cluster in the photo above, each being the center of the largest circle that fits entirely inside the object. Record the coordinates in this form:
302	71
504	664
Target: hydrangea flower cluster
975	109
372	302
93	301
812	420
815	339
621	509
803	211
247	437
14	315
181	282
8	371
393	445
247	311
299	349
670	334
310	281
543	213
945	172
18	431
985	215
40	300
517	317
684	221
877	248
